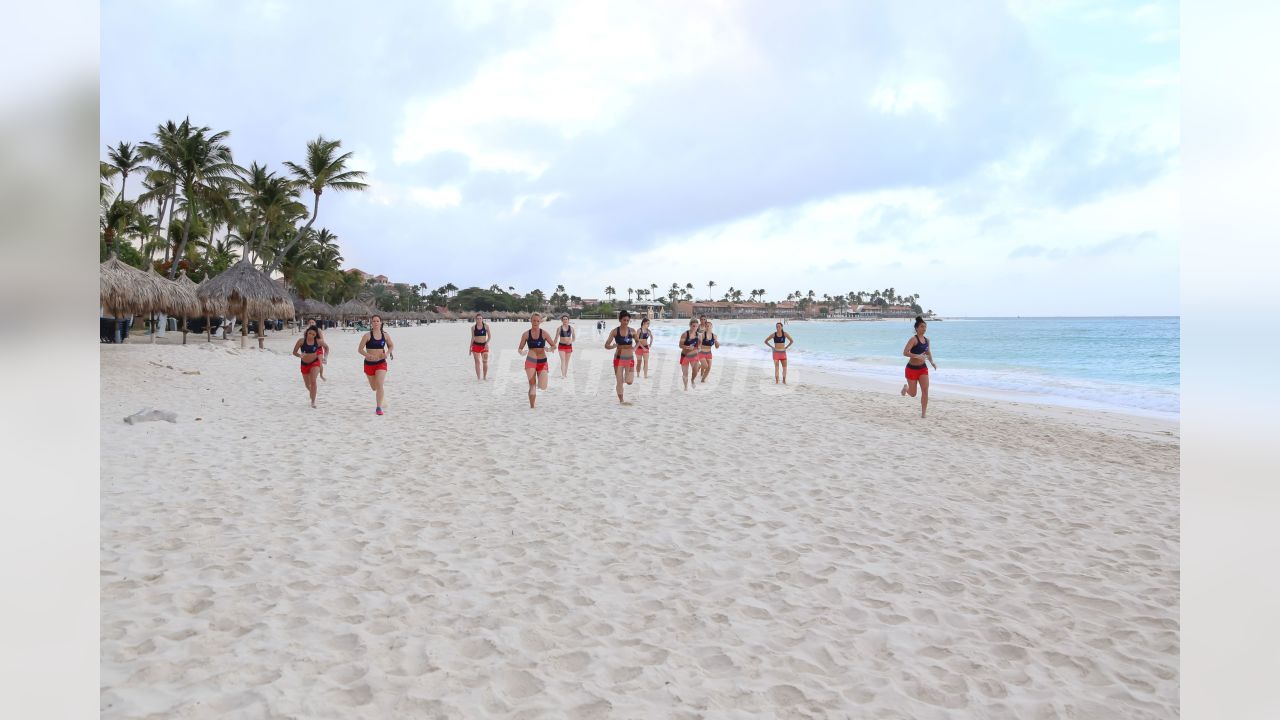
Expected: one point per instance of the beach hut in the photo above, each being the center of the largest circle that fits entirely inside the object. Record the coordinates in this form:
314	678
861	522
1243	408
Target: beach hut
248	293
352	309
125	291
182	300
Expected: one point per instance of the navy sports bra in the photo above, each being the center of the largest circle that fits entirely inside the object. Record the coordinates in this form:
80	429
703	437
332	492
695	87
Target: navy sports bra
541	342
920	347
479	331
691	340
644	334
623	340
309	349
372	344
709	339
566	331
779	339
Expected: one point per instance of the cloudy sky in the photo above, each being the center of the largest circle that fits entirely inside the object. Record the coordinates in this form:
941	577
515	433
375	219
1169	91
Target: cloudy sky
997	158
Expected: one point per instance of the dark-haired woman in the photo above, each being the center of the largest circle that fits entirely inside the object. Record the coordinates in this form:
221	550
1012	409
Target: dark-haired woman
779	341
709	341
623	343
535	362
917	350
644	345
564	346
308	349
377	349
689	352
480	345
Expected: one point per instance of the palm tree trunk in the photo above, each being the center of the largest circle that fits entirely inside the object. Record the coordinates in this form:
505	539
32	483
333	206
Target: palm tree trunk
280	257
182	246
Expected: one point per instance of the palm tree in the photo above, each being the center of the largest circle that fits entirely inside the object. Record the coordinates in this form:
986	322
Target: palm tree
710	284
609	292
323	168
198	160
630	291
126	158
106	171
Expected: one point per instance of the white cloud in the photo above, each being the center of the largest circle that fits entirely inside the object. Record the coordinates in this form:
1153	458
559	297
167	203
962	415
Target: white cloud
580	75
441	197
904	96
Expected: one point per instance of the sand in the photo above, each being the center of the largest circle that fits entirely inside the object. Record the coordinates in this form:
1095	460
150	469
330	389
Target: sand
736	551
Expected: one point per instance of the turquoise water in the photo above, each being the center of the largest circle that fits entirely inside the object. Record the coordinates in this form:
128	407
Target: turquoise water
1114	363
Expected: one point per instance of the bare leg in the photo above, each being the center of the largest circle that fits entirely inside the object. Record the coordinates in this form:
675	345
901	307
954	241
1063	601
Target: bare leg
909	388
684	375
476	358
629	375
776	365
617	384
924	394
542	378
564	364
486	364
706	369
784	372
380	377
311	387
533	386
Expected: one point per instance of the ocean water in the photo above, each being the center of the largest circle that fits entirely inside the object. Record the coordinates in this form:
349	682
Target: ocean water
1116	363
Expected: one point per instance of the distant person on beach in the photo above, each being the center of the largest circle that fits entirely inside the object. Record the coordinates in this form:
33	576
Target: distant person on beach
535	363
917	350
708	341
689	352
623	343
308	349
779	341
564	345
644	344
480	345
377	349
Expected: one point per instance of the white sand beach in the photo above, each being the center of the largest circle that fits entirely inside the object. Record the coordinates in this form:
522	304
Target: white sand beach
741	550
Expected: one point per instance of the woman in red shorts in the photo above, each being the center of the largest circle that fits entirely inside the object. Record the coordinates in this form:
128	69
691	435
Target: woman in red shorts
689	352
535	362
644	345
566	335
709	341
377	348
480	345
779	341
917	349
623	343
308	349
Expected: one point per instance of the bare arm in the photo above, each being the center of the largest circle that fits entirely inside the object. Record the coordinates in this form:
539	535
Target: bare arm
391	346
929	353
524	338
608	344
360	348
295	348
906	350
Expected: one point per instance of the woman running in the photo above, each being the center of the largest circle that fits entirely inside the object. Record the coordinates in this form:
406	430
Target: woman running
323	352
480	345
689	352
377	348
779	341
644	345
709	340
565	345
623	343
308	349
535	364
917	349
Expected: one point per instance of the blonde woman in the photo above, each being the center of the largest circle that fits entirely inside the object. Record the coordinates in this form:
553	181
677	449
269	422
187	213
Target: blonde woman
535	362
377	349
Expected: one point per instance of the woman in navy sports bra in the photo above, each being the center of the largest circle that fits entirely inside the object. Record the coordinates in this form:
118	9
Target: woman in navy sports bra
689	352
480	345
644	345
623	343
917	349
709	340
535	362
308	349
779	341
377	348
566	335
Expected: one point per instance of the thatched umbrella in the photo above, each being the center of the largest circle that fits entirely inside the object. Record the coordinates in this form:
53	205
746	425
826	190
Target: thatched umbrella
182	300
125	291
248	293
352	309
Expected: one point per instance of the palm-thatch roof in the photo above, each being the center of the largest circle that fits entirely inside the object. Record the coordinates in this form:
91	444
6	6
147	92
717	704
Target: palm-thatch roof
353	309
313	307
177	299
125	290
248	292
